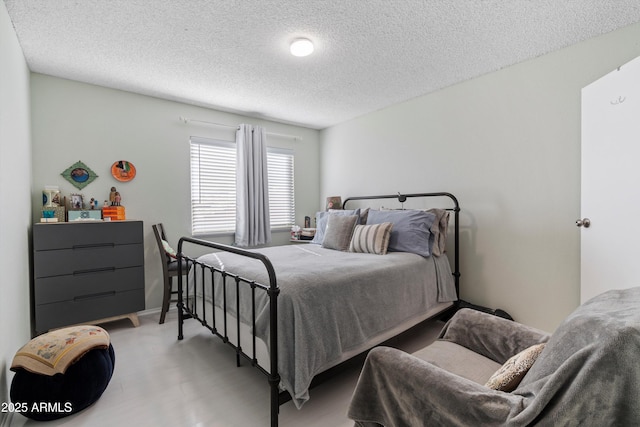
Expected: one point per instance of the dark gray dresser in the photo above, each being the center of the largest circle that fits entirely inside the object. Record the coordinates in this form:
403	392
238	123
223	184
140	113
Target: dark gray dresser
87	271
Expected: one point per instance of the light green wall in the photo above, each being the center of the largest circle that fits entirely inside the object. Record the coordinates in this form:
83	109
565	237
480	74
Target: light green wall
15	193
75	121
507	144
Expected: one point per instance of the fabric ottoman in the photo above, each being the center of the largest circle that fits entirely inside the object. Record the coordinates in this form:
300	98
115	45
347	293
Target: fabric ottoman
61	372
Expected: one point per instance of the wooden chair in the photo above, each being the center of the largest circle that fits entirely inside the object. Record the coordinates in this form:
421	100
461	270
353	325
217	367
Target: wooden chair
169	270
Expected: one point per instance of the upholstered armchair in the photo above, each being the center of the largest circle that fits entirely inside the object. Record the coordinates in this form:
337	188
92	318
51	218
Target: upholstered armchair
487	371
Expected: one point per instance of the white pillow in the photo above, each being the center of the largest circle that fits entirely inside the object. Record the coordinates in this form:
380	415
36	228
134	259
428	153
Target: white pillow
168	249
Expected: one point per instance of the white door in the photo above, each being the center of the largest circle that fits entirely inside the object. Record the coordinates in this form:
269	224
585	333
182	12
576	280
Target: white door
610	196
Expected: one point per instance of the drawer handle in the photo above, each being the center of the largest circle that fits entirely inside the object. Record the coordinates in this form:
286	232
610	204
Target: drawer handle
94	270
94	296
92	246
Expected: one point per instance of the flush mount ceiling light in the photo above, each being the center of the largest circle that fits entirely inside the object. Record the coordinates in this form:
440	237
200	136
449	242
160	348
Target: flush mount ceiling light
301	47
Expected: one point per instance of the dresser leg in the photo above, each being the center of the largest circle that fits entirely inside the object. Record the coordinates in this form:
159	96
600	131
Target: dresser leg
131	316
134	319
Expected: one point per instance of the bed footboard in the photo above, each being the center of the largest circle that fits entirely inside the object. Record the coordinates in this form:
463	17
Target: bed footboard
272	291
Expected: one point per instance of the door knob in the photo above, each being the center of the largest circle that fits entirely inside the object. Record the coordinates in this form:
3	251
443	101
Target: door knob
585	222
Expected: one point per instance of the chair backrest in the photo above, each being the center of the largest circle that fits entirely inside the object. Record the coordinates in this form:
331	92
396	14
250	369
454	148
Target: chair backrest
158	230
589	370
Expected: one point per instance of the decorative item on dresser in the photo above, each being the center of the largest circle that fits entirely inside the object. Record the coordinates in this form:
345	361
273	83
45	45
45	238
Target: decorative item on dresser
87	272
52	208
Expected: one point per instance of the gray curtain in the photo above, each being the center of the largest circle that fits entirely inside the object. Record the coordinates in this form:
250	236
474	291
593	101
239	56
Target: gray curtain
253	226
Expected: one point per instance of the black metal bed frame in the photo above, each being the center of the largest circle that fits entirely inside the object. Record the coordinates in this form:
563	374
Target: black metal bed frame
186	264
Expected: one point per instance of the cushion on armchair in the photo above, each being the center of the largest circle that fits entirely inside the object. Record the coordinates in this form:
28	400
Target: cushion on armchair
513	371
458	360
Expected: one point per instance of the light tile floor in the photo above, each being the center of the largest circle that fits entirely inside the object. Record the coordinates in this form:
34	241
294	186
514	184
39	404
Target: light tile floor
160	381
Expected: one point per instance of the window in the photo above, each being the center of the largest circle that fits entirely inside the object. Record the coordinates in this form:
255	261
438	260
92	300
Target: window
282	209
213	186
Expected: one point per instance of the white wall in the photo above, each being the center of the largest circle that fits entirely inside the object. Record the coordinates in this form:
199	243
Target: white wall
507	144
15	193
75	121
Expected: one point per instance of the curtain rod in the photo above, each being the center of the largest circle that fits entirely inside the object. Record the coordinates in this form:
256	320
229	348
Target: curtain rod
186	120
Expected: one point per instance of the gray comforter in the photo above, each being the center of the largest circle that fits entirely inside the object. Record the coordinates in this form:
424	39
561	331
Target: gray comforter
333	302
587	375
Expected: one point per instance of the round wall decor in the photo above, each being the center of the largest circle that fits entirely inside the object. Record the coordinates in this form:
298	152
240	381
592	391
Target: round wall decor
123	170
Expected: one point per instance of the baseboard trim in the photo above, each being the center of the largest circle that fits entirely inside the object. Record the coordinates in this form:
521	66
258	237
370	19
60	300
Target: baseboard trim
156	311
150	311
5	419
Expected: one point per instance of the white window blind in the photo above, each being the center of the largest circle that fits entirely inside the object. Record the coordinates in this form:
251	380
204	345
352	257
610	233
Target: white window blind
213	186
281	189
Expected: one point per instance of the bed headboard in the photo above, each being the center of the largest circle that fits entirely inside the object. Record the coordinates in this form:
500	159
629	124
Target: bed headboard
456	225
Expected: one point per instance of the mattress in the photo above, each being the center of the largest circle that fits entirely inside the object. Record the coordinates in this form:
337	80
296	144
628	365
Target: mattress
332	305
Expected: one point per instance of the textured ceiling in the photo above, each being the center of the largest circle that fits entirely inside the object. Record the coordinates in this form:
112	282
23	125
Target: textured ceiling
233	55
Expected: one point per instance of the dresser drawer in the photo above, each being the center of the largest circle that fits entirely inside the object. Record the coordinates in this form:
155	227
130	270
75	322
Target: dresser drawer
68	287
88	259
81	234
87	309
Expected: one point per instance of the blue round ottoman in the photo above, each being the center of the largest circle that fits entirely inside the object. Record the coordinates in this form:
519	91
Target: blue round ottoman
61	372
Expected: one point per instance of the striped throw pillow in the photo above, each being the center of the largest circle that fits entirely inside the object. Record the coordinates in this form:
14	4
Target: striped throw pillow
371	239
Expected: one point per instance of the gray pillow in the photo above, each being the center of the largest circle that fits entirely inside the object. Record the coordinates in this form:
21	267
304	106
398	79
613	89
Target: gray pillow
339	231
410	232
321	221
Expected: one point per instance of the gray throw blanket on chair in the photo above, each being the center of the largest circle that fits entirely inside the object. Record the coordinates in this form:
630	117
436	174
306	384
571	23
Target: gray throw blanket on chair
587	375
